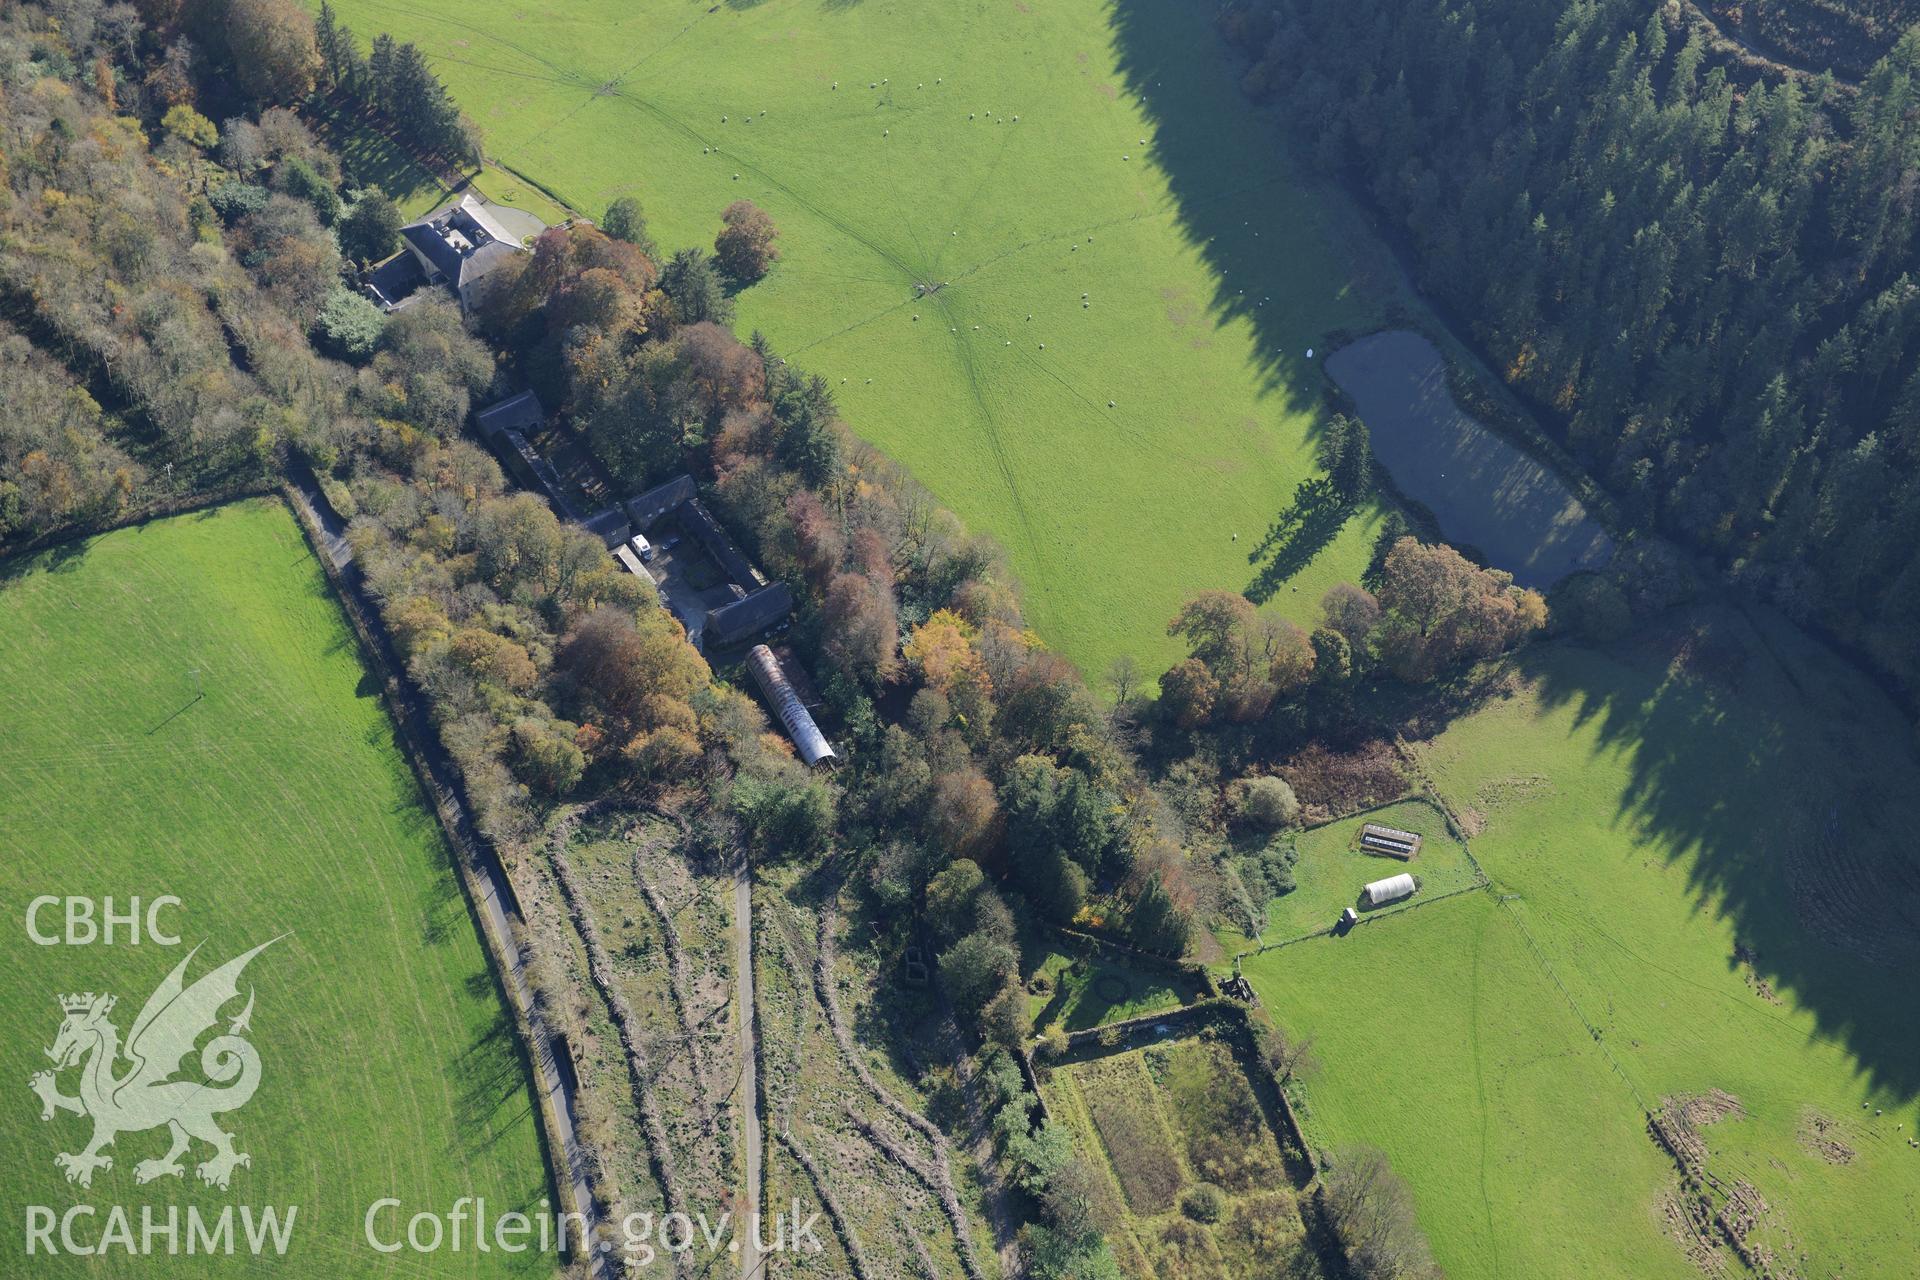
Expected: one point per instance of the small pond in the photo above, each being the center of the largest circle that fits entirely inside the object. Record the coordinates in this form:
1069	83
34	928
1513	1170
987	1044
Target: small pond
1484	492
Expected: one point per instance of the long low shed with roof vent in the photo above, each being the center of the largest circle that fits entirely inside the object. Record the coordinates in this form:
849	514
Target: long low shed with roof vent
1392	889
1391	841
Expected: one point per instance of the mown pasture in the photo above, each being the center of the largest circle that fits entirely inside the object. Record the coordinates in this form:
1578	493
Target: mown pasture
1703	903
185	713
1091	208
1330	869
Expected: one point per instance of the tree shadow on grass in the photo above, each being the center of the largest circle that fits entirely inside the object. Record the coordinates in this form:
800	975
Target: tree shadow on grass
1300	532
1790	802
1787	788
63	557
1233	190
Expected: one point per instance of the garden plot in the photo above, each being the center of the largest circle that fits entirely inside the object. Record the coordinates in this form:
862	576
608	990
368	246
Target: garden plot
1077	987
1191	1181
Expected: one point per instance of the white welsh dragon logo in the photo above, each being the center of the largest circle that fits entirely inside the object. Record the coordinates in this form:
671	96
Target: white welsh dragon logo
146	1095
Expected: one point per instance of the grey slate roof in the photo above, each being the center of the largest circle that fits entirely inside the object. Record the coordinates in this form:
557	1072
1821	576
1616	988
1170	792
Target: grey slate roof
460	244
610	525
742	618
657	501
516	413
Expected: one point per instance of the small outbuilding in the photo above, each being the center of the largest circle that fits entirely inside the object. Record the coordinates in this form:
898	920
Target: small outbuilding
610	525
1392	889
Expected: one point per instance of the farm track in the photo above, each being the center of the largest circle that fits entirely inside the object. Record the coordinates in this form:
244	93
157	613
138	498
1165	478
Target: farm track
1753	55
753	1121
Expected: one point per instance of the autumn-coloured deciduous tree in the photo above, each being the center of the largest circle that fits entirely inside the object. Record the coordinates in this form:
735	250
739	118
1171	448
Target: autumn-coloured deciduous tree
962	813
863	628
941	649
1189	691
1440	609
1353	612
1252	657
745	247
630	674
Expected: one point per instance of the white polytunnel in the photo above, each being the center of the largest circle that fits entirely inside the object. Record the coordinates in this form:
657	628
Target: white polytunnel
812	744
1392	889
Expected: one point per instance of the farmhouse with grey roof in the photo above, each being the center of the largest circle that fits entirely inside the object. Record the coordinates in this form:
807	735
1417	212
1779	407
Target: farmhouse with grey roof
457	247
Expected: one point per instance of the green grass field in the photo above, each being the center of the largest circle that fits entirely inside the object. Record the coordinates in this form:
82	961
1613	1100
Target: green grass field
1136	174
1330	872
1701	881
1092	989
275	804
372	158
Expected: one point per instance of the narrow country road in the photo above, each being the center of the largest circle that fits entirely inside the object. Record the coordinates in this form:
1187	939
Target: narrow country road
749	1234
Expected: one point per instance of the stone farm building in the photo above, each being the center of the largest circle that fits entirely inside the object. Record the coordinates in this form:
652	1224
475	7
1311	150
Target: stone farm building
457	248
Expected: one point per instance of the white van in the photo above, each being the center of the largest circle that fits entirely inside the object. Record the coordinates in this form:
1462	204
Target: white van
642	548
